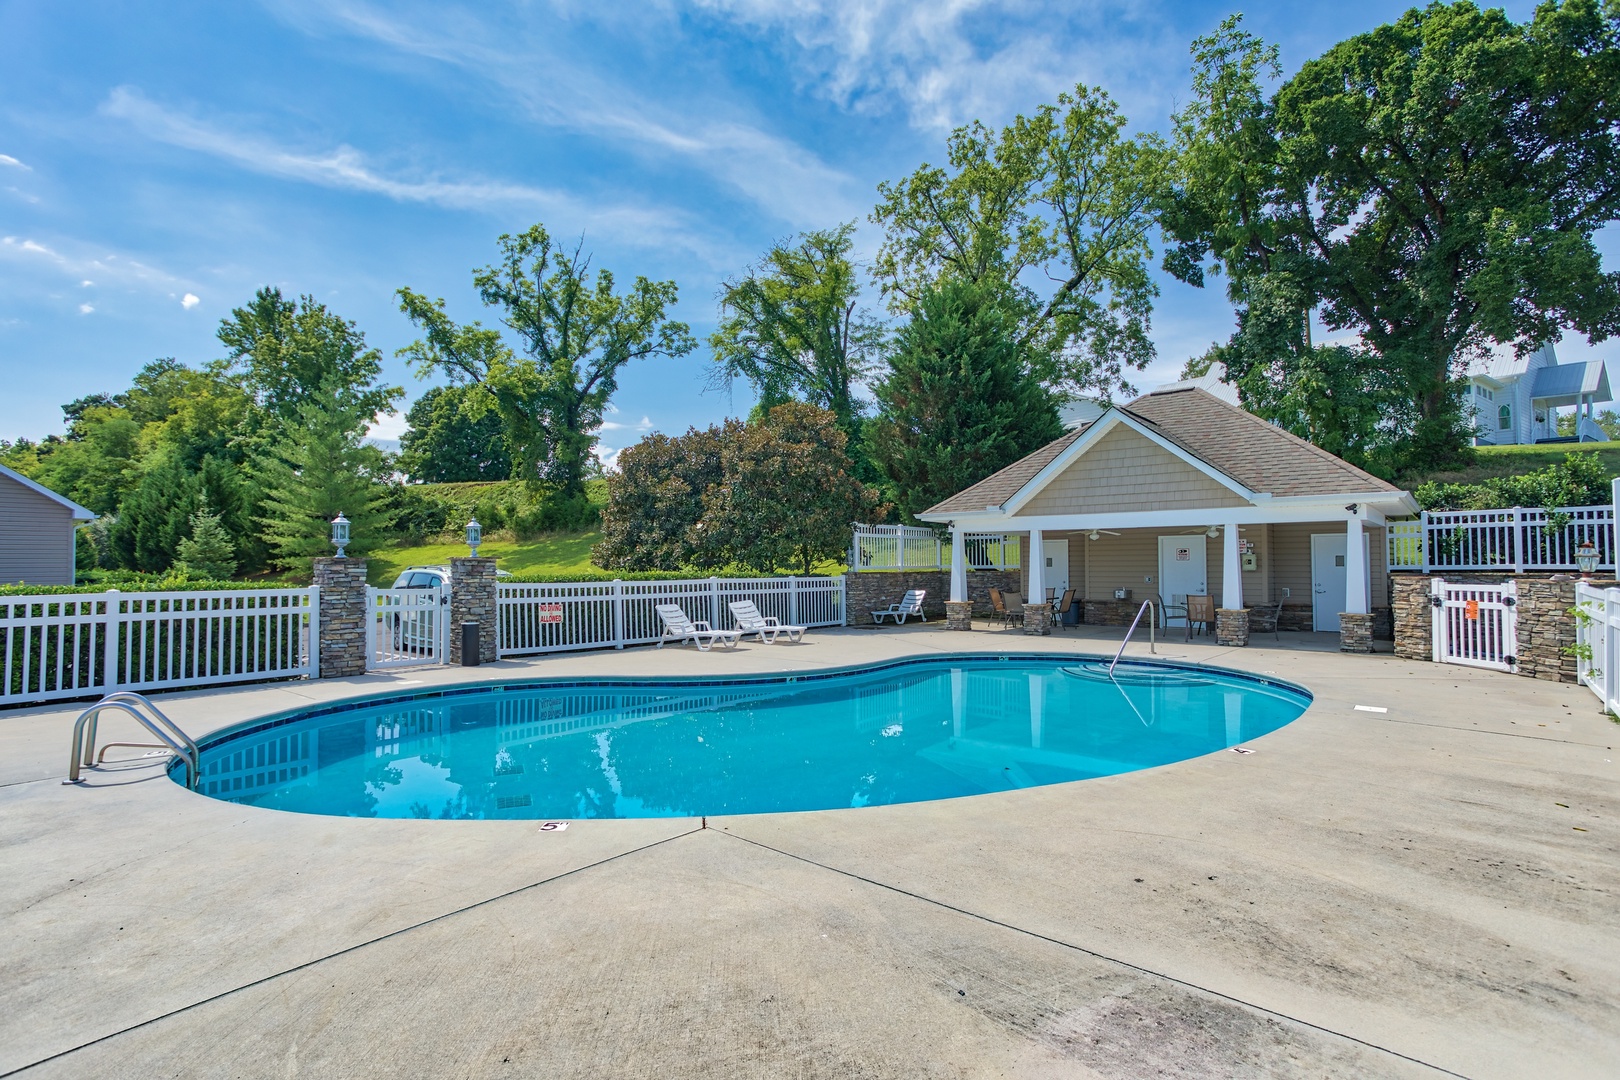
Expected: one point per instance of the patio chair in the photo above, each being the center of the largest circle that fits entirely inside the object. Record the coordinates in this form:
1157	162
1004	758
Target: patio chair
680	629
1063	606
1177	609
1200	610
910	604
750	621
1007	614
1264	619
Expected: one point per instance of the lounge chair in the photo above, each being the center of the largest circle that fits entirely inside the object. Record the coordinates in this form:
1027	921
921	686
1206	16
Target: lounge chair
910	604
750	621
680	629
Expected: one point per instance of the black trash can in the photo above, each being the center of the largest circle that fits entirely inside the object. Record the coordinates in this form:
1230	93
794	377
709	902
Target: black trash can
469	645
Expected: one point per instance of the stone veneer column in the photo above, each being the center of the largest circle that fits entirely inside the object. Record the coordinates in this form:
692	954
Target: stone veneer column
1037	618
1355	631
958	614
342	648
1232	626
472	599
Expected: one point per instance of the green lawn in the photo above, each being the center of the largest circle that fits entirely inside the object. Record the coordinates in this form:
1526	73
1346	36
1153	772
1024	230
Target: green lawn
559	553
1513	460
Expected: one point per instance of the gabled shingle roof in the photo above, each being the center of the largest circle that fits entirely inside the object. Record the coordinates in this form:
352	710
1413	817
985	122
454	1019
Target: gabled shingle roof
1260	456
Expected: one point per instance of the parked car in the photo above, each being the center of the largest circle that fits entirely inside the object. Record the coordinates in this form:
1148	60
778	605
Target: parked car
416	629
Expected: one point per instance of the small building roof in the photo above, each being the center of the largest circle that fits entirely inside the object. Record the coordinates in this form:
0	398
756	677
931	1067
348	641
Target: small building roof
1568	383
1253	453
79	512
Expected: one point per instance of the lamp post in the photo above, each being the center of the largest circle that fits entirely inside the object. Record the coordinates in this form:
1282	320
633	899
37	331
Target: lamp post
340	534
475	534
1586	557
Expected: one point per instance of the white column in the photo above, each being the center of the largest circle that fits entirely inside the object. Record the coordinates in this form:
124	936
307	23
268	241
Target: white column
958	564
1037	568
1356	579
1614	537
1231	568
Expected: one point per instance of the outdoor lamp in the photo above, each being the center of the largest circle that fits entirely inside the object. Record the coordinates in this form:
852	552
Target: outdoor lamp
1586	557
475	533
340	533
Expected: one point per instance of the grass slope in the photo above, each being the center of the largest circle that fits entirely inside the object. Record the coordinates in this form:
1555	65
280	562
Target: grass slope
559	553
1493	461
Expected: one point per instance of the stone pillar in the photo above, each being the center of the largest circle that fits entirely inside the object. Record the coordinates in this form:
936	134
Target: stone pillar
1355	631
1232	626
1037	618
472	598
958	614
342	648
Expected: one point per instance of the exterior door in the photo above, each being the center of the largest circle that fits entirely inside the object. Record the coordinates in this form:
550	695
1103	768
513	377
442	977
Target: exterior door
1057	565
1183	570
1328	581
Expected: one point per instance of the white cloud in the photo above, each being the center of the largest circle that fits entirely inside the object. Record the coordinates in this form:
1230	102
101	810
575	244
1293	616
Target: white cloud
557	90
85	309
387	426
189	301
86	283
344	167
82	260
10	162
645	424
23	195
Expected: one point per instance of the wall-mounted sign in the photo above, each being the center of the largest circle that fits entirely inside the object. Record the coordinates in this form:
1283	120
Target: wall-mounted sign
551	613
1183	555
1471	610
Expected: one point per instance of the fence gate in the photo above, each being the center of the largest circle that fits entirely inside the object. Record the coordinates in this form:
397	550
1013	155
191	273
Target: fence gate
1476	623
407	626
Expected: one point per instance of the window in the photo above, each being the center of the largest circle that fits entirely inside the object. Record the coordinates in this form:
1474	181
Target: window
1504	418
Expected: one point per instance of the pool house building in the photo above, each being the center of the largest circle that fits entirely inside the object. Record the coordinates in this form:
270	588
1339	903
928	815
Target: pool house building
1179	494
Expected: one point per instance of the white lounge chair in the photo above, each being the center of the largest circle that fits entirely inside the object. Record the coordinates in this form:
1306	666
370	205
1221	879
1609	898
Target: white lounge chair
680	629
750	621
910	604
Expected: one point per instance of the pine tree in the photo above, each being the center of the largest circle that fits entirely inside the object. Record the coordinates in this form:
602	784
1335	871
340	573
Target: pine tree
317	469
958	401
208	554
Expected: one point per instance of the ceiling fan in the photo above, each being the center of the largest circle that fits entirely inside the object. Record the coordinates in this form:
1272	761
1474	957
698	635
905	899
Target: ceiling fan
1211	531
1098	534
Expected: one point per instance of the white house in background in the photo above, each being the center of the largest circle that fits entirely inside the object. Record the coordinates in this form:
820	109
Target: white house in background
37	532
1514	398
1080	411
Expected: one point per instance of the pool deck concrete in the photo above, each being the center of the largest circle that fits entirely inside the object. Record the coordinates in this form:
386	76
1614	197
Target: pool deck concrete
1430	891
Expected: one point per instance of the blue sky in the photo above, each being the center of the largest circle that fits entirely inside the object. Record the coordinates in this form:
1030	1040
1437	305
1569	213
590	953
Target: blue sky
158	163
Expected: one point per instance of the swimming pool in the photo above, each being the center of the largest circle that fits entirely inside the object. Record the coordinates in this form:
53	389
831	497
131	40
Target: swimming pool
907	731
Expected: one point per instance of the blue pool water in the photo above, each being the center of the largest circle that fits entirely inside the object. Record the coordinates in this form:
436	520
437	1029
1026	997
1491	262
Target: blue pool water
902	732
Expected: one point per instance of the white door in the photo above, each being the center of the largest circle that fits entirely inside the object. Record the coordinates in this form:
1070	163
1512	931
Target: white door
1057	565
1183	570
1328	581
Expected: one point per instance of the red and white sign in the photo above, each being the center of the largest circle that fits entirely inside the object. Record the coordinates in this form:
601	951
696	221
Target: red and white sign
1183	554
551	613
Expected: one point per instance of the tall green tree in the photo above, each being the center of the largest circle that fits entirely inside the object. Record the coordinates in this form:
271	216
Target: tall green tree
793	326
288	353
959	400
1062	195
319	468
1432	185
573	337
444	442
655	501
208	554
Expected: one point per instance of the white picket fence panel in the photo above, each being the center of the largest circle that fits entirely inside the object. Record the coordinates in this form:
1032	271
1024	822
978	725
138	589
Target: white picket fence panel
1515	539
407	626
907	547
1475	623
1597	642
84	644
557	617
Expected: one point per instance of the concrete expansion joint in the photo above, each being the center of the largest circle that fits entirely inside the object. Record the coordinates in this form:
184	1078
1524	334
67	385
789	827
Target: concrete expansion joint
1093	953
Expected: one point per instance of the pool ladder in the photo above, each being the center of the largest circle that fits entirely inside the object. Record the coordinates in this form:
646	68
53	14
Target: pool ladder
1147	605
149	716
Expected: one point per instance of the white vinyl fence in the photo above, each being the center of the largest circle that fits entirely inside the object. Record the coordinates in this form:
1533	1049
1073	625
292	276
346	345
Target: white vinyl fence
1597	642
907	547
1510	540
83	644
407	626
539	618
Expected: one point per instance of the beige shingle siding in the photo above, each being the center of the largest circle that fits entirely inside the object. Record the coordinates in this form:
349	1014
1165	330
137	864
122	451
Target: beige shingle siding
1291	546
36	537
1125	471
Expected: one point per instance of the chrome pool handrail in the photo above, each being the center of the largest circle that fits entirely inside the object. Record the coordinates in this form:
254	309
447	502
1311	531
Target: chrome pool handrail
126	701
1147	605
